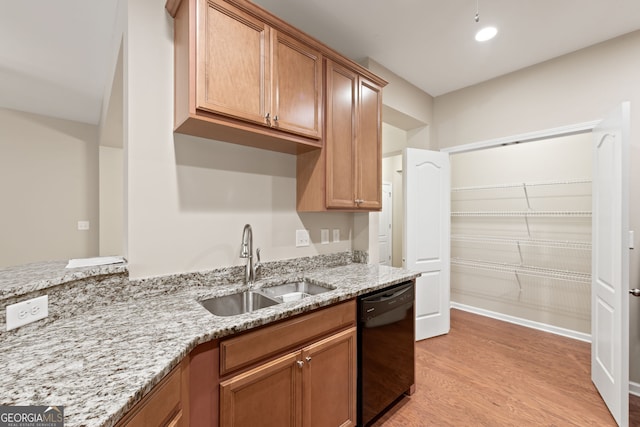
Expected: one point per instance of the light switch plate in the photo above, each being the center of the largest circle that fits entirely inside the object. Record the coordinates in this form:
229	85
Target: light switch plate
336	235
324	236
28	311
302	238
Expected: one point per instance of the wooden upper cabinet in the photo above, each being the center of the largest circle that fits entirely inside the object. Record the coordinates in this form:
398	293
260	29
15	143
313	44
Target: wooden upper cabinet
253	72
244	76
342	92
233	68
296	86
347	174
368	146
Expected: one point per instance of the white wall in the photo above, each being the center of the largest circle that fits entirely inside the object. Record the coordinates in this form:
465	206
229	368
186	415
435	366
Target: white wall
188	198
406	106
111	158
111	231
392	172
48	182
574	88
394	140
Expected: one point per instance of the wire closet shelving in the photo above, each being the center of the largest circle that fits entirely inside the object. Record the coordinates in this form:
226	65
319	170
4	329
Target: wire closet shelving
537	258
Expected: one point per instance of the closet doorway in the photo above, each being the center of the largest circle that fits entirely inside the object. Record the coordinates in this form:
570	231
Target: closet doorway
611	240
521	232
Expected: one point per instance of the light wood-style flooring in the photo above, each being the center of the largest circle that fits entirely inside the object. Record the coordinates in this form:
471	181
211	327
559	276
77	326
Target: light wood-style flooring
486	372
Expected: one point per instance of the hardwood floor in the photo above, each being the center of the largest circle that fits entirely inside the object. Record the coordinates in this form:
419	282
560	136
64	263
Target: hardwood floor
487	372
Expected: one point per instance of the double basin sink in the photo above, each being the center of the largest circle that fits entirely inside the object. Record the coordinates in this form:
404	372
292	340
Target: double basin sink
251	300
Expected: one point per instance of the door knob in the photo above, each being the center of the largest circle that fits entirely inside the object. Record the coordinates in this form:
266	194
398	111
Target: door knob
635	292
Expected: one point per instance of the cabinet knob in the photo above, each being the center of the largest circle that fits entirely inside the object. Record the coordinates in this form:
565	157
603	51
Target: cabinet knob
275	118
300	363
267	117
358	201
308	359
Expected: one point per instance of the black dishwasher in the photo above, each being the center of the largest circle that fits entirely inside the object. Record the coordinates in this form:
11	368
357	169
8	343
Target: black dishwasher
386	342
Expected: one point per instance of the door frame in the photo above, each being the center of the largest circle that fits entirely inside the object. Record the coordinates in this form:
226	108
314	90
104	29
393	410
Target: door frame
525	137
389	207
574	129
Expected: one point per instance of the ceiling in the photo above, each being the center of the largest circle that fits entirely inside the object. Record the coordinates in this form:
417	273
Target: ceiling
54	56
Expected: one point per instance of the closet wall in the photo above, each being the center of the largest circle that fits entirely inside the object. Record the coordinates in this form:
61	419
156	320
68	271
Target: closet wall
521	231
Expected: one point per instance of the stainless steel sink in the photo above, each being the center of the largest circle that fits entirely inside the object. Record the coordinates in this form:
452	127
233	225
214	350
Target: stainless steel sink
294	291
240	303
247	301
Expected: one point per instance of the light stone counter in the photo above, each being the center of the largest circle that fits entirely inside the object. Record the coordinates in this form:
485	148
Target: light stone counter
23	279
102	360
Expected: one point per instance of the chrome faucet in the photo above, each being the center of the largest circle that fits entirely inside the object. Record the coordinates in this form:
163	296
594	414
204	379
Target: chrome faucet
246	251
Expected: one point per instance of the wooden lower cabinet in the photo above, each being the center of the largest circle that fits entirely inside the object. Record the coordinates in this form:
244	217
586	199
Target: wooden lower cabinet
268	395
329	381
313	386
167	405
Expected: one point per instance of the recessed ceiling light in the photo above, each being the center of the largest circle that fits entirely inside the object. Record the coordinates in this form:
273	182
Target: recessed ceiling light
487	33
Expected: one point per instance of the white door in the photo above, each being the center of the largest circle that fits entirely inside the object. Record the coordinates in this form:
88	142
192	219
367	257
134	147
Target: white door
385	239
610	264
427	223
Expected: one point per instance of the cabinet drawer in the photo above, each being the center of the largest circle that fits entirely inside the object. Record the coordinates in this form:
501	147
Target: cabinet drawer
161	407
243	350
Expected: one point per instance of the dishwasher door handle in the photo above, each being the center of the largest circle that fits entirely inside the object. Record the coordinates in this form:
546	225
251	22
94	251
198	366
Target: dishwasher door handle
387	296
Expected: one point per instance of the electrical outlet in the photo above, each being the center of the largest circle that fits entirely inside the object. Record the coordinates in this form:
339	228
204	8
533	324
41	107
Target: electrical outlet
302	238
83	225
324	236
28	311
336	235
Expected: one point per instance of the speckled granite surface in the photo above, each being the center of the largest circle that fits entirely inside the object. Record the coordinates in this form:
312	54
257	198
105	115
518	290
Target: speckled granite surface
99	362
23	279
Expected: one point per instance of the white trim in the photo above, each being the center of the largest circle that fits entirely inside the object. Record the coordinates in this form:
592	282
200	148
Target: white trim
634	388
580	336
524	137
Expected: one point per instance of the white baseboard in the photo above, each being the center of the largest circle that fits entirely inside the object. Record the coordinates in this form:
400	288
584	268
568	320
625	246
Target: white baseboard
634	388
581	336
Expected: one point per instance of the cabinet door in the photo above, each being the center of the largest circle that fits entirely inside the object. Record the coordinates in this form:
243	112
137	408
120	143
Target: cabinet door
296	87
233	62
329	381
163	406
268	395
369	146
342	90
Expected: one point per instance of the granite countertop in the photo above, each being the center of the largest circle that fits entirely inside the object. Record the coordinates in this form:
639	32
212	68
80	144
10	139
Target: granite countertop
100	362
22	279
